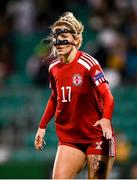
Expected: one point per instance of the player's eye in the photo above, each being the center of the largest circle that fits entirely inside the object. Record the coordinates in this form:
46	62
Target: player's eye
63	36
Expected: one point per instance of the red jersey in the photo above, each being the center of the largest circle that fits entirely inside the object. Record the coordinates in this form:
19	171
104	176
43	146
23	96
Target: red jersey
79	104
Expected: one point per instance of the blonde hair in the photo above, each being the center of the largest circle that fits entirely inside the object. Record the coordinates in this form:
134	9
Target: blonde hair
73	24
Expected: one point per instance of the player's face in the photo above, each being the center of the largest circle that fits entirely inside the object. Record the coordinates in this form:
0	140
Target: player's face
63	50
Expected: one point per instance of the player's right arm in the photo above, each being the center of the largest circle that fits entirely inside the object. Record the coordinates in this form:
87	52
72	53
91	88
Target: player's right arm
47	116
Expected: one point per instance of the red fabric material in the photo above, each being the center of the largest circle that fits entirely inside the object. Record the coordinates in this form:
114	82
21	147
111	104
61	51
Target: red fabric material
82	97
108	100
49	111
101	146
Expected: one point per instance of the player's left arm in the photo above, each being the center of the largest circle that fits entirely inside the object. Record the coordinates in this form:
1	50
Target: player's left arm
102	86
108	100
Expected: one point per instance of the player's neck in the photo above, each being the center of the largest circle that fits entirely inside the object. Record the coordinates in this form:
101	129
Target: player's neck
71	56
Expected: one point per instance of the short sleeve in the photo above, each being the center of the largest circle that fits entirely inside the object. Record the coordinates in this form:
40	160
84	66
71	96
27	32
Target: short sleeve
97	75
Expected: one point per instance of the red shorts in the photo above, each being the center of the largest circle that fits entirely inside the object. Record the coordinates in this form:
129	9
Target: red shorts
100	146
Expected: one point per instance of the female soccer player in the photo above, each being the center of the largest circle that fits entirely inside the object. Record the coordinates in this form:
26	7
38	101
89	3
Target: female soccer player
82	103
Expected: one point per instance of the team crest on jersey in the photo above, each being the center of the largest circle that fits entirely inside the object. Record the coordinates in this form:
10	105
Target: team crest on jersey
77	80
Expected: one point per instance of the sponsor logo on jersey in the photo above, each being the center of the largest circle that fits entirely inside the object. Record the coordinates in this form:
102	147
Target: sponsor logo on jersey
98	145
77	80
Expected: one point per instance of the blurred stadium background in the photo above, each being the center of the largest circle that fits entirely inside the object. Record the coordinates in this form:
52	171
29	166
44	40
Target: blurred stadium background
110	36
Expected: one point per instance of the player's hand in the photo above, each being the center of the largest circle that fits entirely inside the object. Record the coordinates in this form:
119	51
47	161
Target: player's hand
106	127
39	139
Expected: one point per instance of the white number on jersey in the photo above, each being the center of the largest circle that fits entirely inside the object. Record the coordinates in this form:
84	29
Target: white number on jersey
66	90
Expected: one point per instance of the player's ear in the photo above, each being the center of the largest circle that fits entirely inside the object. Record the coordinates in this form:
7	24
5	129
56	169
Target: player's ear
77	40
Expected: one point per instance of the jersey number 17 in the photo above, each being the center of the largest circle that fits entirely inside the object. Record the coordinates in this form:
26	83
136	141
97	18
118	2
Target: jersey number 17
66	93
